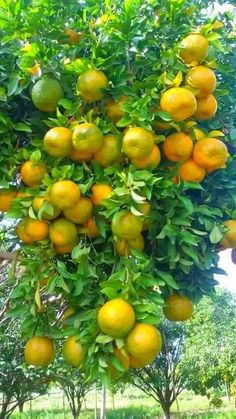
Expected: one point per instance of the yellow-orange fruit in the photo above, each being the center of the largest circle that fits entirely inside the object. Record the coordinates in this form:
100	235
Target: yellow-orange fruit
81	212
126	225
210	153
100	192
178	308
179	102
138	143
178	147
150	162
64	194
58	142
39	351
143	341
87	138
62	232
6	199
206	108
203	79
32	172
193	48
113	109
36	229
73	351
190	171
91	85
116	318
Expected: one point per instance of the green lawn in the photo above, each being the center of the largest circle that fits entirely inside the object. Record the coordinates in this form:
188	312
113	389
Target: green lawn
132	404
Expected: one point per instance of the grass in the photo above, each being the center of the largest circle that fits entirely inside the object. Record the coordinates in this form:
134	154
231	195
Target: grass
123	413
132	404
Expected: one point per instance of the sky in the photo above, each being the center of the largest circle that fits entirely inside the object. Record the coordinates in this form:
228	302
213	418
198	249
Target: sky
228	281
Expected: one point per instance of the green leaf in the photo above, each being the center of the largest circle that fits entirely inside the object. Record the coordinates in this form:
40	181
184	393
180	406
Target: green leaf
103	339
165	116
20	126
109	292
215	235
168	278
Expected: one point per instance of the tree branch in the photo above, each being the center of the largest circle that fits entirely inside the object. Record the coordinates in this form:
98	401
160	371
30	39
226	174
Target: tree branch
8	255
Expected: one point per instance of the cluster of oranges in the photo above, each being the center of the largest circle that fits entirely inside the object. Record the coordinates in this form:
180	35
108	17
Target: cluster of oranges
116	318
62	214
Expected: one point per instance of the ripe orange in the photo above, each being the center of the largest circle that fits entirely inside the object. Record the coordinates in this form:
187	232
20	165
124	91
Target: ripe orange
62	232
141	362
100	192
178	308
143	341
210	153
91	85
191	171
64	194
36	229
178	146
80	156
150	162
87	138
81	212
116	318
229	239
73	351
20	231
58	142
138	143
124	247
206	108
32	172
6	199
193	48
203	79
39	351
110	152
113	109
66	248
89	228
46	93
126	225
179	102
49	212
72	37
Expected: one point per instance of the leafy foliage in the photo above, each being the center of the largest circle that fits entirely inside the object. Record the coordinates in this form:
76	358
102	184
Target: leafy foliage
136	45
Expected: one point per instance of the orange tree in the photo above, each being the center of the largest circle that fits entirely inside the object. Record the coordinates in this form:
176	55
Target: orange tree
117	170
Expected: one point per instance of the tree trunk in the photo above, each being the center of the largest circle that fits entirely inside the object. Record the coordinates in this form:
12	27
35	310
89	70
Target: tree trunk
103	404
21	407
228	391
5	403
166	411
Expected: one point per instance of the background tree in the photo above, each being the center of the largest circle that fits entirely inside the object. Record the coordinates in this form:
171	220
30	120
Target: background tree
136	45
72	382
209	356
